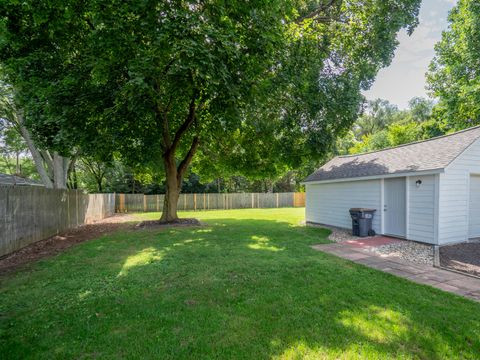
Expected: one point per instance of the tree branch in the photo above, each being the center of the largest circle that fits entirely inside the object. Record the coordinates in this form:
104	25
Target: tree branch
315	14
185	125
167	142
187	159
36	155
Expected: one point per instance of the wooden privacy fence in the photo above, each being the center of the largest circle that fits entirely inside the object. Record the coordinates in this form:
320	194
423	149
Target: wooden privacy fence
31	213
141	202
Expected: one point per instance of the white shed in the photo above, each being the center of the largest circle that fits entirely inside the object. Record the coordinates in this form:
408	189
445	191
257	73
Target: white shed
427	191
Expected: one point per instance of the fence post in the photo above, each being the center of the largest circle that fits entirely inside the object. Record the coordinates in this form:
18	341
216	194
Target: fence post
208	200
144	203
277	200
204	202
195	202
158	202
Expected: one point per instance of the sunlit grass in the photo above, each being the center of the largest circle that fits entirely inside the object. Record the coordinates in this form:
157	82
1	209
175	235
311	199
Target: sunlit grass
244	285
144	257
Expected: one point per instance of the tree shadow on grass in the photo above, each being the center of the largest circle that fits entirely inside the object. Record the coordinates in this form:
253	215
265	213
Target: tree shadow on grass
245	288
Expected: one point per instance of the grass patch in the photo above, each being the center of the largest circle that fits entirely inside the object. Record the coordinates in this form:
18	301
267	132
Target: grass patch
245	286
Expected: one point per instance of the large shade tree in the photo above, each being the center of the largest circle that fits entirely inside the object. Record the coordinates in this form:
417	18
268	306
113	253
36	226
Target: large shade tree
454	75
257	85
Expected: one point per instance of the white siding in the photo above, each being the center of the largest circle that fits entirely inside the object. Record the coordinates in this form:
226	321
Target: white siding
422	208
329	203
474	213
454	196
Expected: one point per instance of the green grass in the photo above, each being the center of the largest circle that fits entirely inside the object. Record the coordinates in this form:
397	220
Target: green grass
246	286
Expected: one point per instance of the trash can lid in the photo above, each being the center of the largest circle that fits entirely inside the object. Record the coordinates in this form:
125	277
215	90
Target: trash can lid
363	209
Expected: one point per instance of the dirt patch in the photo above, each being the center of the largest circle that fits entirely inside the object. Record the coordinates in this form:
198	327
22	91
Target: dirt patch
177	223
61	242
463	257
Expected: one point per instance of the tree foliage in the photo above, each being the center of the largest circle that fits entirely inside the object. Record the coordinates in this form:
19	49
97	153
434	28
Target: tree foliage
259	86
377	115
383	125
454	75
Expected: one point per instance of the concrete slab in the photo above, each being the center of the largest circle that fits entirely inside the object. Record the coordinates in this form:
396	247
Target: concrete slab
358	252
467	283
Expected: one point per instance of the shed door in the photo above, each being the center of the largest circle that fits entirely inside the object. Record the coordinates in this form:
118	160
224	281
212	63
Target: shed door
474	213
395	207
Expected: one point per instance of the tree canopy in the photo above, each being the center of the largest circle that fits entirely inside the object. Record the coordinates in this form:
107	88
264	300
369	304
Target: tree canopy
454	75
256	86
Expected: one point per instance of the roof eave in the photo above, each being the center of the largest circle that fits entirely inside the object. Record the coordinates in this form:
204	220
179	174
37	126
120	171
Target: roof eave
373	177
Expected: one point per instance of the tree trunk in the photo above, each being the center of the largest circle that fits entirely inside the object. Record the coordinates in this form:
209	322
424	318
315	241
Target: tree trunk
17	170
60	171
174	174
99	184
52	170
174	180
72	176
172	191
37	157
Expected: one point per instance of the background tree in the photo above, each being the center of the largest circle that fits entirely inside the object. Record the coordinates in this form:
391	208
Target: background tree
454	75
51	166
397	127
269	85
419	109
377	115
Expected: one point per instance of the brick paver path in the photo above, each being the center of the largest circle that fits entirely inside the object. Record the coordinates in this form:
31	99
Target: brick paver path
459	284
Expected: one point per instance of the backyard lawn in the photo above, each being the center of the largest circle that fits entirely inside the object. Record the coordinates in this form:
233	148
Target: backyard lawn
246	285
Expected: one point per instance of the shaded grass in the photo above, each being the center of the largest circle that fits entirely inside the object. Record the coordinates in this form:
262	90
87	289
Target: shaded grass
246	286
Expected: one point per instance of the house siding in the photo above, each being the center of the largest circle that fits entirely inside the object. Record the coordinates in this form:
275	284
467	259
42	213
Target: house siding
329	203
454	196
422	211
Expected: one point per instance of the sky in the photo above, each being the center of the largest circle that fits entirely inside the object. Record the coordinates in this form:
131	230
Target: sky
405	77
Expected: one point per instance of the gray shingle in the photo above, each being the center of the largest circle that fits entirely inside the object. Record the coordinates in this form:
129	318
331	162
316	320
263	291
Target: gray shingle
432	154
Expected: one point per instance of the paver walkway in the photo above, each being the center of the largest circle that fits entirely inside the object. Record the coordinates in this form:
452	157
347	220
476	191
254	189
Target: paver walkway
357	251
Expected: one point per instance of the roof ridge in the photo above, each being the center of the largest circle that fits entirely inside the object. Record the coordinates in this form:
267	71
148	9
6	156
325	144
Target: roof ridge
412	143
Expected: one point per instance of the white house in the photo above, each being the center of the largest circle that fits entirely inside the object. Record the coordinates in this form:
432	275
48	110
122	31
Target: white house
427	191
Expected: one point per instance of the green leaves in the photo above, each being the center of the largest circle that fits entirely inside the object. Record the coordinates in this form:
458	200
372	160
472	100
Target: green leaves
454	75
277	81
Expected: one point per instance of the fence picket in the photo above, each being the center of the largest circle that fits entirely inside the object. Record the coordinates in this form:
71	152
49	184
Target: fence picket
29	213
140	202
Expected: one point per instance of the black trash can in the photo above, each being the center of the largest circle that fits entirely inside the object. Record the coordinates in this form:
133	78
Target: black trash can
362	221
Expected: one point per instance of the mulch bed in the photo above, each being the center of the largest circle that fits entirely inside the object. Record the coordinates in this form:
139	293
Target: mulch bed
463	257
177	223
61	242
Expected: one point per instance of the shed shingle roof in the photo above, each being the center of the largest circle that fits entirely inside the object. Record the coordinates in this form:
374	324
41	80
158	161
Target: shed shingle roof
432	154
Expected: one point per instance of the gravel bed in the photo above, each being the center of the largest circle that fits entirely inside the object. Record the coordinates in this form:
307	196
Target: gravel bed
407	250
338	234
